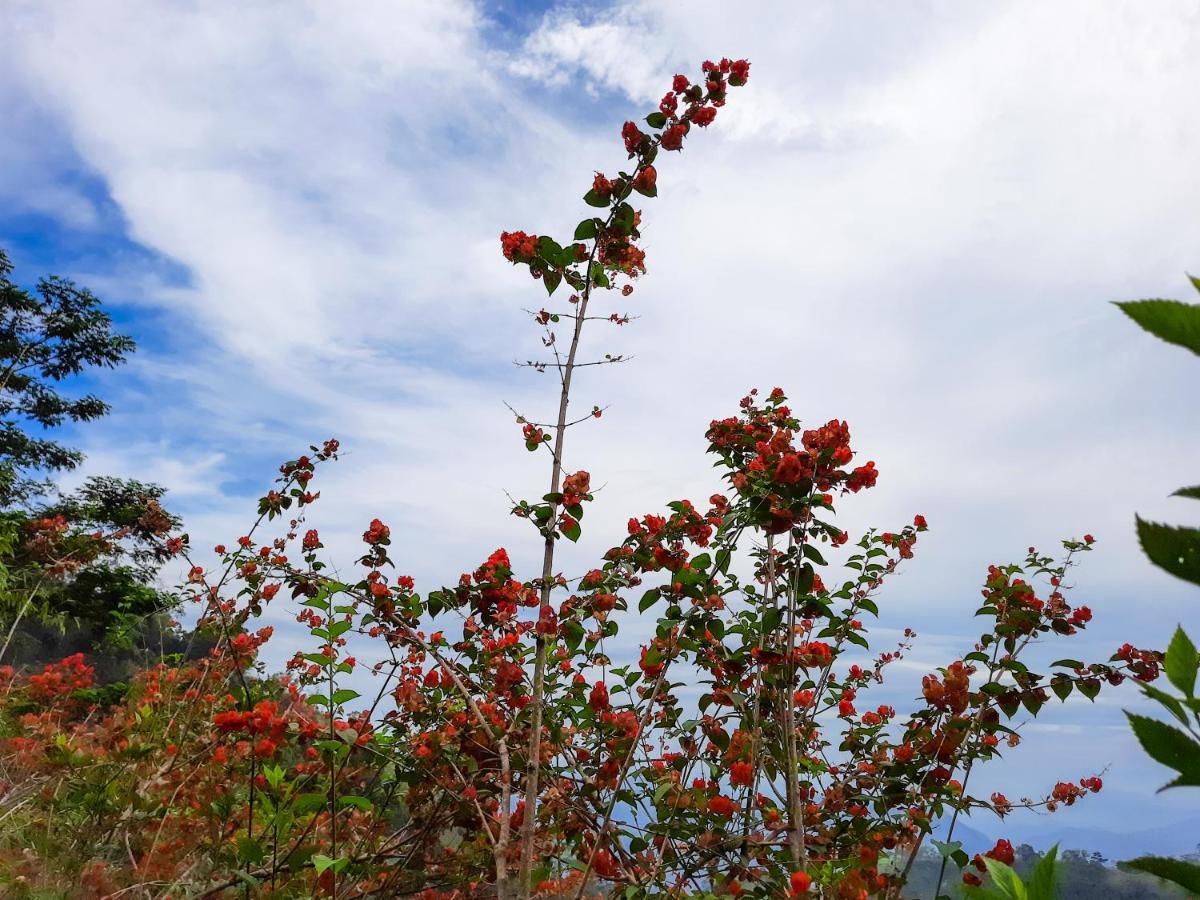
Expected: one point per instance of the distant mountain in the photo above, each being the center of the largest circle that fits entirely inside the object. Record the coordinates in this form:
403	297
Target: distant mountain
1174	839
973	840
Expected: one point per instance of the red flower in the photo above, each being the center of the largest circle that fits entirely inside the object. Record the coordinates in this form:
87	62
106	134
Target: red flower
721	805
704	116
633	137
517	245
646	180
672	138
377	533
598	700
741	774
800	883
862	477
602	185
679	84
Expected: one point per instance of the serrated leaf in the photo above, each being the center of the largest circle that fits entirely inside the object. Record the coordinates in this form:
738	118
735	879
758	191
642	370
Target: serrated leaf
1171	320
1181	662
1177	550
1193	492
1168	745
1184	874
1165	700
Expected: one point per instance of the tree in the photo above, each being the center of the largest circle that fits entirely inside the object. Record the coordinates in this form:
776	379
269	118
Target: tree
46	338
79	570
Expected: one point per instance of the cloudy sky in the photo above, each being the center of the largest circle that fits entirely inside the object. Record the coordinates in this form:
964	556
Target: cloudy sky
914	218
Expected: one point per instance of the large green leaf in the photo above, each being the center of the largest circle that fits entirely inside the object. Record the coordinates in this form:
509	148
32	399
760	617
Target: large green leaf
1181	662
1171	747
1175	549
1171	320
1005	880
1042	880
1184	874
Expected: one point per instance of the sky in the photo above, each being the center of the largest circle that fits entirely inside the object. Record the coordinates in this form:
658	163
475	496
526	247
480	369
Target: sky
915	218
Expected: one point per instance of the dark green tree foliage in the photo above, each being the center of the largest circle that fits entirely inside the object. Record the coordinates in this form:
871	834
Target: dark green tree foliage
77	572
46	338
108	598
1175	549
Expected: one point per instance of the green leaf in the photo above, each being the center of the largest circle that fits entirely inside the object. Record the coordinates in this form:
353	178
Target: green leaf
250	851
1061	685
552	279
1071	664
1175	549
656	119
648	599
571	532
1089	687
1193	492
1041	883
1170	746
321	863
703	561
309	803
1181	662
1171	320
591	198
1166	701
1184	874
585	229
357	802
345	695
596	273
573	632
946	849
1005	879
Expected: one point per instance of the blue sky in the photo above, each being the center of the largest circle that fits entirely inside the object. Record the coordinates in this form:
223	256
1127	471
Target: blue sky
913	218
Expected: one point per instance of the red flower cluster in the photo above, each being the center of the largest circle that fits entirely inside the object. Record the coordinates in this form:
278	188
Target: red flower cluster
518	246
61	679
1144	664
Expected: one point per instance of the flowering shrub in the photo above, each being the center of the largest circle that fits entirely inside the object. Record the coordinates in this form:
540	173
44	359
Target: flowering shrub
512	745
